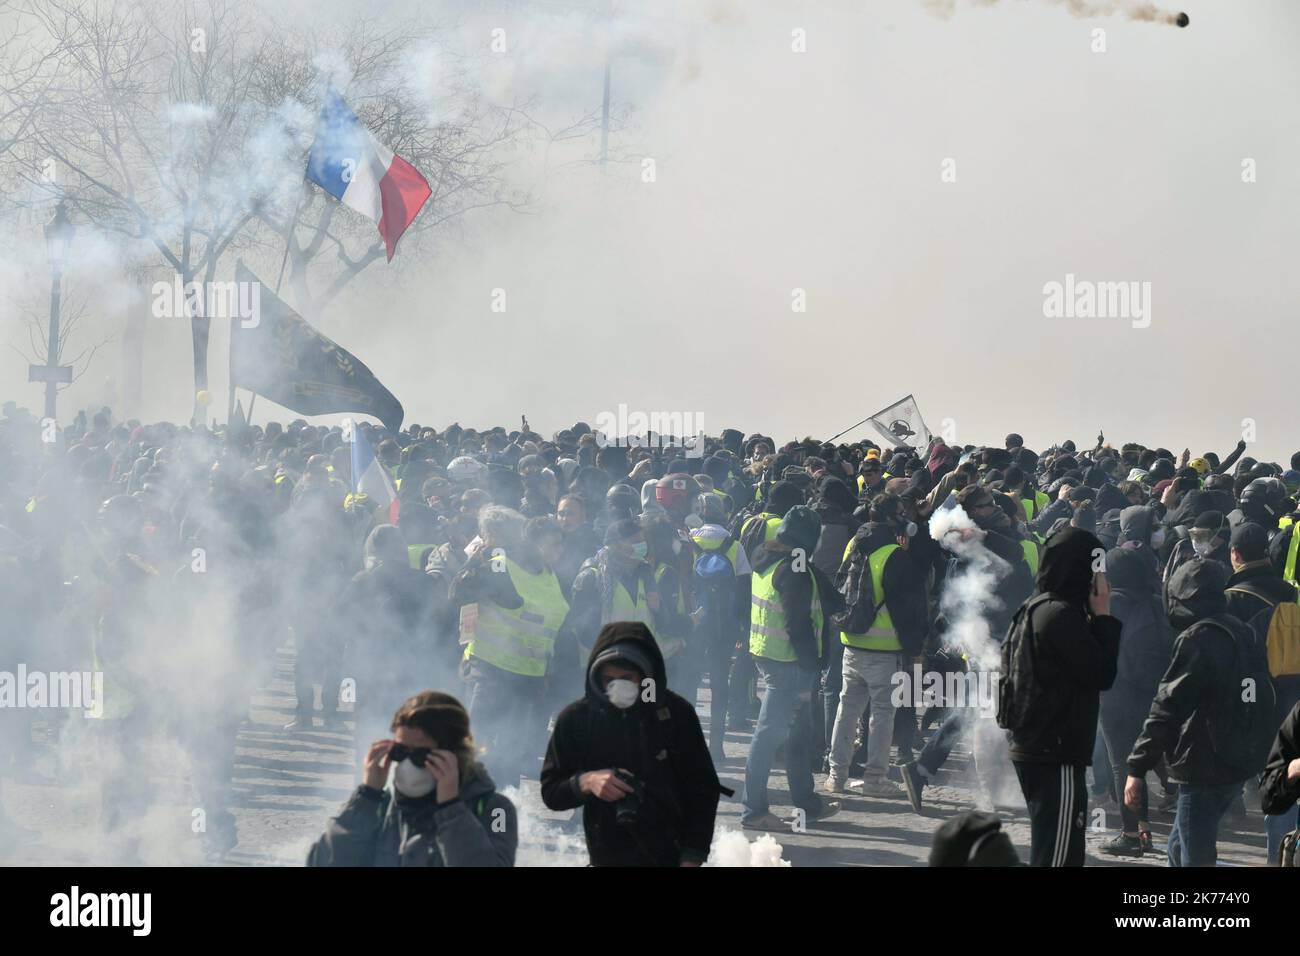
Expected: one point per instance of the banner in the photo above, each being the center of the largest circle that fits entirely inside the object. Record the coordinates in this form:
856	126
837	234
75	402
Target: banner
280	356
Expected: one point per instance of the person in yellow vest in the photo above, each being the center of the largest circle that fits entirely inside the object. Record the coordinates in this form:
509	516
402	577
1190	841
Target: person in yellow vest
891	642
791	601
760	528
618	584
510	608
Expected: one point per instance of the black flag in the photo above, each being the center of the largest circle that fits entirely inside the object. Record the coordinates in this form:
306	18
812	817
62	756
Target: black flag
280	356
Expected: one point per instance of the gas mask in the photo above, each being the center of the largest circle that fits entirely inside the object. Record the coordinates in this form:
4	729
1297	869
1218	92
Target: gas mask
621	693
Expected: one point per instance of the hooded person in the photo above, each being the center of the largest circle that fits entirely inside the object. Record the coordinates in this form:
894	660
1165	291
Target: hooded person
1059	655
834	506
440	808
1190	721
632	755
1140	531
1207	539
1146	643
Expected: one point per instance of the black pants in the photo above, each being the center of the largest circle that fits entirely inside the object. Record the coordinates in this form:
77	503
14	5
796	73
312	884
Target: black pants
1057	797
1121	723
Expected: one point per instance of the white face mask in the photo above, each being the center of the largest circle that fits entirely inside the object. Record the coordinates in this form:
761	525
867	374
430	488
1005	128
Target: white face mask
621	693
412	781
1157	537
1203	548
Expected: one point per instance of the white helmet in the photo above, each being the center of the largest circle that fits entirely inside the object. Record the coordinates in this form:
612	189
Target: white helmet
466	470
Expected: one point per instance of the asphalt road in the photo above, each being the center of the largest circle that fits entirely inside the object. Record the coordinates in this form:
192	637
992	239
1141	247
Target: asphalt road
286	785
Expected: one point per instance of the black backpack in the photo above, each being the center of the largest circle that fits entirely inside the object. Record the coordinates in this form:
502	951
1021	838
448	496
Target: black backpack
1241	738
853	581
1016	682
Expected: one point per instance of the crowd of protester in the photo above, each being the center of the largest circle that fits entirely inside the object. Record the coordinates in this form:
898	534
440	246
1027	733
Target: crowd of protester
608	595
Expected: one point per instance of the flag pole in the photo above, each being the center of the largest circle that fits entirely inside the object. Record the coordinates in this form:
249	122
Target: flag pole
284	260
851	427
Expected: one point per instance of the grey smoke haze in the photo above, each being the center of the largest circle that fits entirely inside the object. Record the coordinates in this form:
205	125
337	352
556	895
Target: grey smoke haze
820	170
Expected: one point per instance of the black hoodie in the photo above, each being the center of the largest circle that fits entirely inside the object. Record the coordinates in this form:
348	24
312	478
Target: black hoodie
1198	685
660	743
1074	653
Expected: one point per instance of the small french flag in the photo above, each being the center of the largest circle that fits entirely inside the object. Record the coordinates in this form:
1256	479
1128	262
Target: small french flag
362	173
371	478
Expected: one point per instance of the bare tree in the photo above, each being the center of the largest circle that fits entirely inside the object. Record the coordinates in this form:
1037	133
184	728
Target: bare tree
181	130
71	326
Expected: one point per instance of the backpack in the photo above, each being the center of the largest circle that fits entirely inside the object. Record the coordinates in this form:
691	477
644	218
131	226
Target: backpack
1242	738
853	581
1016	683
1278	628
1289	852
715	589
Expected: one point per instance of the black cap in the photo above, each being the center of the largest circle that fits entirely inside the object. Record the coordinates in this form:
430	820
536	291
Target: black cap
1209	521
1251	540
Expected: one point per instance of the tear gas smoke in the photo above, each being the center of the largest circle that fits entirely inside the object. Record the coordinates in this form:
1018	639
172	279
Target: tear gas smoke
970	596
732	848
543	841
967	600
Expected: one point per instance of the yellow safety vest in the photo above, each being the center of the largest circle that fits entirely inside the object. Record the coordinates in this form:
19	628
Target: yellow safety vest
670	644
769	633
1031	555
519	640
769	533
881	635
1034	505
1288	572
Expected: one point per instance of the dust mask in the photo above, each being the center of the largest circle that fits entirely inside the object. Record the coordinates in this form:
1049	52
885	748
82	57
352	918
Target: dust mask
412	781
621	693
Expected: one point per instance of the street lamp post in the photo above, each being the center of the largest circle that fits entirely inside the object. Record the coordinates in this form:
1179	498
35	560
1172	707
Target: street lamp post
58	237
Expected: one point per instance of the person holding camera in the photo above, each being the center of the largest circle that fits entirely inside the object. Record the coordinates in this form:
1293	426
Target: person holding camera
631	753
442	809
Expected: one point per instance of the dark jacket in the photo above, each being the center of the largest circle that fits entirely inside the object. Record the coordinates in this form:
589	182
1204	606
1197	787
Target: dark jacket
1074	656
661	743
1146	641
1266	584
381	828
1277	794
1193	689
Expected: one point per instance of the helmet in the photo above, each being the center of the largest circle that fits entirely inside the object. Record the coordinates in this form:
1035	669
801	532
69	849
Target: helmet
1264	499
466	470
676	493
623	498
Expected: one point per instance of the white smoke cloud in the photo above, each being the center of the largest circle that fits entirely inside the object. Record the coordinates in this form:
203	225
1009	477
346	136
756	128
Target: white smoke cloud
732	848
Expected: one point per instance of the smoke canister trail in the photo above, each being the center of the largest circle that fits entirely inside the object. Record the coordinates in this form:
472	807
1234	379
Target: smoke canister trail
1140	11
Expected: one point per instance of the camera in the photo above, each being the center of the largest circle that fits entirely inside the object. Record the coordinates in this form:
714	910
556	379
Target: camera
627	811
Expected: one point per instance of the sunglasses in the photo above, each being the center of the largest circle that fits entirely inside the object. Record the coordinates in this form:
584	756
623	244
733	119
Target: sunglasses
417	755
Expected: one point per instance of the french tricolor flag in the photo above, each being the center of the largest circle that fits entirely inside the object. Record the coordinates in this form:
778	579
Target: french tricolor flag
371	478
355	168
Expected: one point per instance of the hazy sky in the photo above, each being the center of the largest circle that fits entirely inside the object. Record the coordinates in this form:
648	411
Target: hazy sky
820	170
